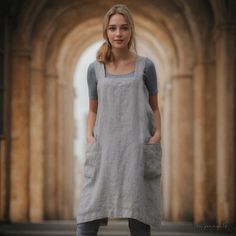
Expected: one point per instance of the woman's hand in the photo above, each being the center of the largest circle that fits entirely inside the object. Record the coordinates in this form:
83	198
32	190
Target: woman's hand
91	119
91	139
156	138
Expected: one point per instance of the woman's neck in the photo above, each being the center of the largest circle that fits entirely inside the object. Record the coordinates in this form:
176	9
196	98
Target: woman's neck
121	54
123	62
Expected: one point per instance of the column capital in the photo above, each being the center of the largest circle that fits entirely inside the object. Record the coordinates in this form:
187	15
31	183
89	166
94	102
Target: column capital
39	70
224	27
51	76
21	52
47	74
181	76
51	73
204	62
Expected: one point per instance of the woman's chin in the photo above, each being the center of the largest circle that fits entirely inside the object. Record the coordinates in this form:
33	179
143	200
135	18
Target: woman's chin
120	46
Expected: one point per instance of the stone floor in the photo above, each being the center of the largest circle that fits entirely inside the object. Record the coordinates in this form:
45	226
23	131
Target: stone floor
114	228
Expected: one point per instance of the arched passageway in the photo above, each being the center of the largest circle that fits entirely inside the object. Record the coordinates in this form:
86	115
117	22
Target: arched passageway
191	43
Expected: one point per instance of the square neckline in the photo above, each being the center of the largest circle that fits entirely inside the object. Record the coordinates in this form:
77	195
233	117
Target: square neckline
114	76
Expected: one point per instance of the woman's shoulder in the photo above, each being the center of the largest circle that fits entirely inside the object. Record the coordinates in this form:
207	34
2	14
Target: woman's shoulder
91	71
149	64
148	61
92	65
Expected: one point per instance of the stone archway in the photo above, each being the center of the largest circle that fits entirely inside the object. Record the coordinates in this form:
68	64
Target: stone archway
44	54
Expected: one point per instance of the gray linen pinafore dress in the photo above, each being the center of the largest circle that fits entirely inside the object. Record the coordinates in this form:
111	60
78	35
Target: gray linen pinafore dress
122	172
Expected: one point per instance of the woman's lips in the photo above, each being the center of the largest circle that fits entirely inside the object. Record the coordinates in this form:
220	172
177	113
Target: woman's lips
118	41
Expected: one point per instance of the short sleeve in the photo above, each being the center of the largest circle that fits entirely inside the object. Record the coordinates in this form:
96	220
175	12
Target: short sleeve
150	77
92	82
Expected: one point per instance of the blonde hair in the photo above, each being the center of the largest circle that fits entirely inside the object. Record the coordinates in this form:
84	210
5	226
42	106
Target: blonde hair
104	53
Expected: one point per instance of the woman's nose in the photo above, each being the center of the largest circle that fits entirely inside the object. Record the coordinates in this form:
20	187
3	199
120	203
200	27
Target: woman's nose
118	32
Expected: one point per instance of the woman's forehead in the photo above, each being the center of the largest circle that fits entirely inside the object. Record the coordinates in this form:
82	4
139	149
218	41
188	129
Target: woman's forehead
118	19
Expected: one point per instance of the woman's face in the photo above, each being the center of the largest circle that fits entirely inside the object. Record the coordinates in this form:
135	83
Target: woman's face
118	31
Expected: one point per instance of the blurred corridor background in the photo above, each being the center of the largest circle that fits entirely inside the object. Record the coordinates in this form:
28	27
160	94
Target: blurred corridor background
45	49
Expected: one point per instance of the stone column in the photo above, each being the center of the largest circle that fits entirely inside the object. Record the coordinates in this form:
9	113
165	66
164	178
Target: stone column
65	150
36	167
60	148
3	180
68	163
167	150
225	40
51	136
204	143
65	138
182	148
19	176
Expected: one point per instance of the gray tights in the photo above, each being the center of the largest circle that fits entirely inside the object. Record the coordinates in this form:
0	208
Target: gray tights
90	228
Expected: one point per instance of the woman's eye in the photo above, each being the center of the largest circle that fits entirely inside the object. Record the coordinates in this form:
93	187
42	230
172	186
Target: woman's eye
112	28
125	28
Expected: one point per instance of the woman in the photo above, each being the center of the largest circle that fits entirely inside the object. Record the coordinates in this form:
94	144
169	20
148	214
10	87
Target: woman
123	154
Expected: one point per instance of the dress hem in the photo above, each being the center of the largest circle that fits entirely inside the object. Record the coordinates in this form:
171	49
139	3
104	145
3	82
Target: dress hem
111	214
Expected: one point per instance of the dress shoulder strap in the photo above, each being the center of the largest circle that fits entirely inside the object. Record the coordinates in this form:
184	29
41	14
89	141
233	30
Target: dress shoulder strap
140	66
99	70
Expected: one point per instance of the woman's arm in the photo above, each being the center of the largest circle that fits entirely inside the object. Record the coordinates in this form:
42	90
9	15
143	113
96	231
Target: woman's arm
150	79
156	138
91	119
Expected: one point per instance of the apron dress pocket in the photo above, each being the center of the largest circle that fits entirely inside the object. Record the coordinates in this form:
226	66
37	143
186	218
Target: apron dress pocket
91	159
152	154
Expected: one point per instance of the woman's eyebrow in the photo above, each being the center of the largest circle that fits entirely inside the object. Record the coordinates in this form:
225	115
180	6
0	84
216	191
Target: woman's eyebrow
120	25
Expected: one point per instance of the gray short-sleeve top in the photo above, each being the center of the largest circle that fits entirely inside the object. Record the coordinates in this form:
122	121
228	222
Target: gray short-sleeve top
149	77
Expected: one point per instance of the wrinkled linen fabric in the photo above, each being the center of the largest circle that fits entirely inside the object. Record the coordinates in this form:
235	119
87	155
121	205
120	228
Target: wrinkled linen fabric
121	171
